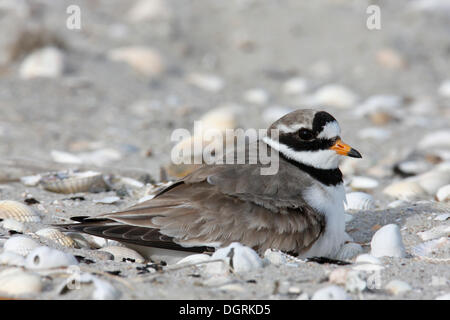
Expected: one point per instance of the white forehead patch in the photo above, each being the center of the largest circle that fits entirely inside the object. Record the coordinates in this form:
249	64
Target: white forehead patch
290	129
330	130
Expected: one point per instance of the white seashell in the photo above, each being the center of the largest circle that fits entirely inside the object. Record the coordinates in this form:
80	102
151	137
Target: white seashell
31	181
330	293
368	267
348	251
275	257
435	139
195	258
207	82
367	258
65	157
363	183
374	133
335	96
377	103
405	190
432	180
104	290
427	248
10	209
21	245
398	287
16	282
48	258
45	62
72	182
238	257
149	10
144	60
436	232
443	194
256	96
442	217
57	236
12	259
107	200
295	86
397	203
359	201
444	89
387	241
11	224
123	254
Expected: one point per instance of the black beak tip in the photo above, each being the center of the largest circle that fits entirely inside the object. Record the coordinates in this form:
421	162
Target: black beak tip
354	153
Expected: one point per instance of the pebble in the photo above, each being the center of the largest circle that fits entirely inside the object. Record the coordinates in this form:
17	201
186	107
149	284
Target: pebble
398	287
374	133
275	257
377	103
330	293
390	59
107	200
440	138
46	62
434	233
144	60
335	95
349	250
387	241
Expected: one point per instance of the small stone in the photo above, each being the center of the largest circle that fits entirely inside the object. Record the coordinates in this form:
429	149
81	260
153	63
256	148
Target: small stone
390	59
207	82
46	62
443	194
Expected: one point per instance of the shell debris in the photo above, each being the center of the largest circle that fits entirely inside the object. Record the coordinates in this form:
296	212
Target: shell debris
57	236
238	258
72	182
359	201
21	245
10	209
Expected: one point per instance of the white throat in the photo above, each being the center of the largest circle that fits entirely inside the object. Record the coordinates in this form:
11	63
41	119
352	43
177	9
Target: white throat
320	159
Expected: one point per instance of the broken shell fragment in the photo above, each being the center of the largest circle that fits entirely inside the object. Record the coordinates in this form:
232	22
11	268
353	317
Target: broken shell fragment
14	225
123	254
236	257
359	201
57	236
21	245
387	241
437	232
72	182
16	282
48	258
10	209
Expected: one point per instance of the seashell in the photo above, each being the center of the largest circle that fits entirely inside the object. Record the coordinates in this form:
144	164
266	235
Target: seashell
359	201
144	60
275	257
48	258
442	217
444	89
256	96
390	59
367	258
387	241
445	296
12	259
443	194
354	283
123	254
398	287
207	82
436	232
363	183
104	290
377	103
65	157
426	249
405	190
107	200
338	276
432	180
11	224
21	245
72	182
10	209
57	236
348	251
295	86
435	139
379	134
46	62
31	181
368	267
237	257
16	282
335	95
79	239
397	203
149	10
194	259
410	168
330	293
100	157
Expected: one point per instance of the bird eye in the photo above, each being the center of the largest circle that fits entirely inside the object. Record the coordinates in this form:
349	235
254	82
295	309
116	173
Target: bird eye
305	134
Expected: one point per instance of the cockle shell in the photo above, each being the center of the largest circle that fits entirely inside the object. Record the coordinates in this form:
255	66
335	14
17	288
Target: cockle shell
363	183
123	253
237	257
48	258
72	182
10	209
195	258
21	245
57	236
348	251
387	241
359	201
15	282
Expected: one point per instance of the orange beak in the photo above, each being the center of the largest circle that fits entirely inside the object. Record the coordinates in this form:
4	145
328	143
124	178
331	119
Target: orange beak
345	150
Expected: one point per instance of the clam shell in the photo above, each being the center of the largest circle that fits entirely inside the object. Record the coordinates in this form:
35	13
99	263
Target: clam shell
11	224
236	256
359	201
443	194
123	253
21	245
57	236
48	258
405	190
72	182
363	183
10	209
15	281
348	251
432	180
387	241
